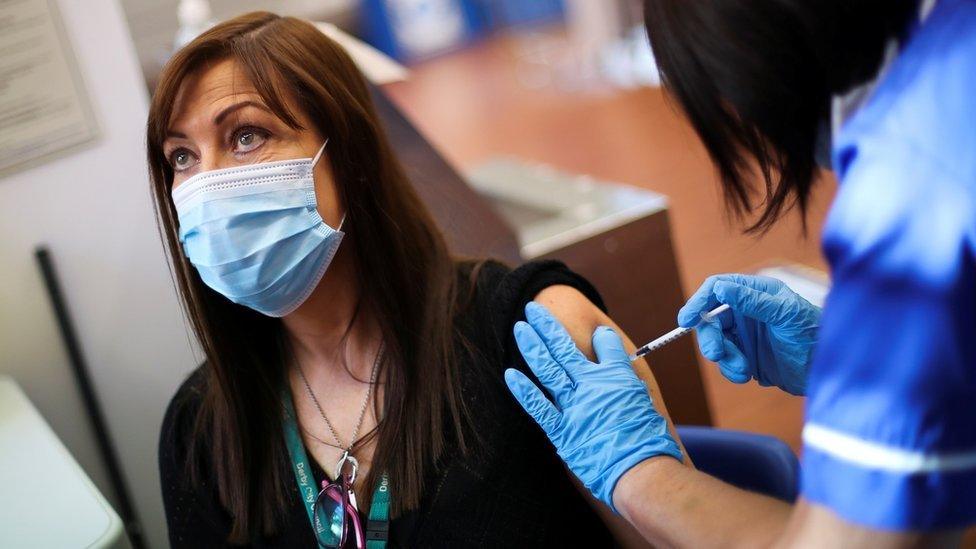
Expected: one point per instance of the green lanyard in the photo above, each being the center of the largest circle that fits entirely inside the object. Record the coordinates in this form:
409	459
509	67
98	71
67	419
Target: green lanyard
378	523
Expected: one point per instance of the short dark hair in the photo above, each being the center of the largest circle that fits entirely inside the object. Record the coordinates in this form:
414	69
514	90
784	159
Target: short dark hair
755	78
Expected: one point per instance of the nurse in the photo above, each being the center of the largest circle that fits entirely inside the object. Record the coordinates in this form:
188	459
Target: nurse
889	367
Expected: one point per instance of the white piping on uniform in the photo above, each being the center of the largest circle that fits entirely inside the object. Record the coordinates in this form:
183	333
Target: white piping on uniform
872	455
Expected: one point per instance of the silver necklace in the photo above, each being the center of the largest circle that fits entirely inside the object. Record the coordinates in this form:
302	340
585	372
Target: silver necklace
362	410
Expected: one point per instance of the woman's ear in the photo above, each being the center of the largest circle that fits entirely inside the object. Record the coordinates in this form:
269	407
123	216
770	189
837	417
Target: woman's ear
328	199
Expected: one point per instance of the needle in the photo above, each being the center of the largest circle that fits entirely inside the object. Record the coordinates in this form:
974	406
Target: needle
676	333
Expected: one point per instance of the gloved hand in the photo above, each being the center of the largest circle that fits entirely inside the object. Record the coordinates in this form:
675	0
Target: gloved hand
768	335
601	419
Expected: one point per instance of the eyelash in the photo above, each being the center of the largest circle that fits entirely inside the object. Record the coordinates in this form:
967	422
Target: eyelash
172	158
232	142
235	135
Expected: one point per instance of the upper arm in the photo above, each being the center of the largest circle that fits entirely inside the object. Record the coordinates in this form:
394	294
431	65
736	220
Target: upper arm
581	317
193	515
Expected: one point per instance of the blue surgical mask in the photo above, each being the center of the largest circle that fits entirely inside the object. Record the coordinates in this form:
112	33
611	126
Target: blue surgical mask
254	233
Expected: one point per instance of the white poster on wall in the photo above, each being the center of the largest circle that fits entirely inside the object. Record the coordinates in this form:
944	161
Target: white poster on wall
43	106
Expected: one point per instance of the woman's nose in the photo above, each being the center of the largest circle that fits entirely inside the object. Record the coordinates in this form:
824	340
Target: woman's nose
215	159
210	162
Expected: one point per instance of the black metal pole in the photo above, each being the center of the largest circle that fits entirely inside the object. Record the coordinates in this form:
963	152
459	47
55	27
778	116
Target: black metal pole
78	365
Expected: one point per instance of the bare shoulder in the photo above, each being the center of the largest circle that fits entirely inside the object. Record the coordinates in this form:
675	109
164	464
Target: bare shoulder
563	300
581	318
576	312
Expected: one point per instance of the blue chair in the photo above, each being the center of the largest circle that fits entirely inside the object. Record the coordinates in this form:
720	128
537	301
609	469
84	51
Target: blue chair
759	463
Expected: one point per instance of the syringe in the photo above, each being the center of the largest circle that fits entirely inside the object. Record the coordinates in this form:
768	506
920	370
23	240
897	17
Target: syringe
676	333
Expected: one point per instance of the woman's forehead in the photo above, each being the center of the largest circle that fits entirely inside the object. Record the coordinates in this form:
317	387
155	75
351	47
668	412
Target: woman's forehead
211	88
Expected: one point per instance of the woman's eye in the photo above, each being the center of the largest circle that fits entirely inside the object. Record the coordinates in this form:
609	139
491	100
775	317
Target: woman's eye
181	159
248	139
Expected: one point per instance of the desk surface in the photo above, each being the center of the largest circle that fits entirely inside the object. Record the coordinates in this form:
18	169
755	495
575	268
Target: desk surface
550	210
46	499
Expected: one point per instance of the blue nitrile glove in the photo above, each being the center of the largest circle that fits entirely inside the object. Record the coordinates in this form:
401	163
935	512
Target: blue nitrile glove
603	421
768	335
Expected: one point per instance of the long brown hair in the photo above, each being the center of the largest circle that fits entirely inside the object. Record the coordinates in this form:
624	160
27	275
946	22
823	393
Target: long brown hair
407	276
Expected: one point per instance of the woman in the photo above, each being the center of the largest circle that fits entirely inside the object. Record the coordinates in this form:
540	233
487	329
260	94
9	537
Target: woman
343	343
889	457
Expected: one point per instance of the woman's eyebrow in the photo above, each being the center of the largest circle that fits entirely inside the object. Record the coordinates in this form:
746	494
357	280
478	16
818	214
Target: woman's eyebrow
221	115
237	106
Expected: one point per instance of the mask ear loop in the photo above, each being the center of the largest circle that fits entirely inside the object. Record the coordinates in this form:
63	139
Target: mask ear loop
315	160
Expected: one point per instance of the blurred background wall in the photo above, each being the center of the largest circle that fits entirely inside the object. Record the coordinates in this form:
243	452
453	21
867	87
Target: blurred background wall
154	23
91	208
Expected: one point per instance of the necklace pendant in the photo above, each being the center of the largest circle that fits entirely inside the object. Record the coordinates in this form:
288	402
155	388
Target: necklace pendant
347	461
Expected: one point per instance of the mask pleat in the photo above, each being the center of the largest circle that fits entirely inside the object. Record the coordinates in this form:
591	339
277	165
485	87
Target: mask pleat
302	277
237	239
282	298
199	212
257	272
